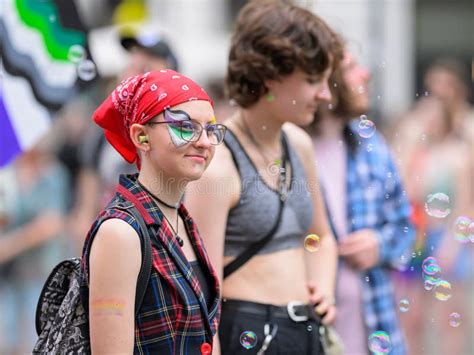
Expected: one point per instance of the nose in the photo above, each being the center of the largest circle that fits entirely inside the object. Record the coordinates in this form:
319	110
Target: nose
203	142
324	93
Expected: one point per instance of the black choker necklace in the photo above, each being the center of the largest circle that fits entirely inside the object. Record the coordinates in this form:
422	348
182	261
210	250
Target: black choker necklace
174	207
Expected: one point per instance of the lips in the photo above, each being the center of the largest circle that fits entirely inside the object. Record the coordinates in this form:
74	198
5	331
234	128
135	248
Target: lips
196	157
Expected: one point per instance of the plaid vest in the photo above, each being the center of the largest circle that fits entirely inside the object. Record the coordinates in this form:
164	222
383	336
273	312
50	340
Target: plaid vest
174	317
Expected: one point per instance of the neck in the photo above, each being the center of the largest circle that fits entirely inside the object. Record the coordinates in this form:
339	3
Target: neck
262	125
167	189
331	127
457	111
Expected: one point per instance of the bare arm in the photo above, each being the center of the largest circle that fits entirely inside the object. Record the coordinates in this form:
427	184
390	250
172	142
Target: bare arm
115	261
322	264
450	247
209	201
38	231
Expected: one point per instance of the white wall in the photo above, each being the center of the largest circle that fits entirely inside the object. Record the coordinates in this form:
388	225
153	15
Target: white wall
381	34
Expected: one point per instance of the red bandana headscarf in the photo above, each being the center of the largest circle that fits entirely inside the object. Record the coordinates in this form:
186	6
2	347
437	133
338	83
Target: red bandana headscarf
140	98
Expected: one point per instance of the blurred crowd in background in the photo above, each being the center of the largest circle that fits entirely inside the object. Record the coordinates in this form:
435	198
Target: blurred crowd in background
50	194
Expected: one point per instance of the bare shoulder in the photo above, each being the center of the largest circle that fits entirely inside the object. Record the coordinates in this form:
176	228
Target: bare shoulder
220	182
460	154
299	140
222	165
116	239
117	229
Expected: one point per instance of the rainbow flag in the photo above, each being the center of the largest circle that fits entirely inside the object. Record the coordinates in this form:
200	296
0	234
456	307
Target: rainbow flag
42	43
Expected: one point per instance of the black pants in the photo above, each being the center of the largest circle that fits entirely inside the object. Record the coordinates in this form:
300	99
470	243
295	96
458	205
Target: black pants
291	337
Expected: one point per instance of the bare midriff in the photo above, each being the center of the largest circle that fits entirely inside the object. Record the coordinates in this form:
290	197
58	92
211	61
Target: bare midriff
275	278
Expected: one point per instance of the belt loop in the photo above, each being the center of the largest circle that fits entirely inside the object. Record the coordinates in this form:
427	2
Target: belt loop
269	313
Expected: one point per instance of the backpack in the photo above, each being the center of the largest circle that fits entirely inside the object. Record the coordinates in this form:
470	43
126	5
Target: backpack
62	316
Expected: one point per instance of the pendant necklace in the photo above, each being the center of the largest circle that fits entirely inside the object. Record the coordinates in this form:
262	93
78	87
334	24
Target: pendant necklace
280	163
174	207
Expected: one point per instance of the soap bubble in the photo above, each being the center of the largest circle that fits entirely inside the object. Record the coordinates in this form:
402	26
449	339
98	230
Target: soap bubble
404	305
366	128
455	319
312	243
379	342
248	339
443	290
428	285
76	53
430	266
86	70
461	229
437	205
470	232
432	280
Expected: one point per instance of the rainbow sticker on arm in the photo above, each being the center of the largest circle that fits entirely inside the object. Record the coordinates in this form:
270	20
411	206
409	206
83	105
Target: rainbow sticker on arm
108	307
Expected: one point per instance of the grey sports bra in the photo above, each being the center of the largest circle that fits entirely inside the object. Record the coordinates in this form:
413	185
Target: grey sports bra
257	210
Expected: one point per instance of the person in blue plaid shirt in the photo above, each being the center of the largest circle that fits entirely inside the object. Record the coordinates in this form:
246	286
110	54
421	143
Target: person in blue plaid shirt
369	213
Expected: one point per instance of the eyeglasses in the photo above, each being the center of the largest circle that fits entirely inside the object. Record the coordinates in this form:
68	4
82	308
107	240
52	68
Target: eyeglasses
190	130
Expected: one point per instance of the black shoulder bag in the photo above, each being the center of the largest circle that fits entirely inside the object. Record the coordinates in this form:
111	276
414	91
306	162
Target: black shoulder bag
257	246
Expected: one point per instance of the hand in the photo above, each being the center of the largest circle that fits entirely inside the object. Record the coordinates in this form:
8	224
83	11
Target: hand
360	249
324	306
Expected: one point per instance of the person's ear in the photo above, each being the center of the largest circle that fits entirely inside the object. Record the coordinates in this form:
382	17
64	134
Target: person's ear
269	84
143	139
139	137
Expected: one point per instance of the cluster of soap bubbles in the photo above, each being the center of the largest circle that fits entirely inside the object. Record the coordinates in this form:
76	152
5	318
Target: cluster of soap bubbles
86	69
433	281
438	205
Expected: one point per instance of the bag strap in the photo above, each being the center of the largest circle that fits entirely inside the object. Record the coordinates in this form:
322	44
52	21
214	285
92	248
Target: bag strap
145	245
253	249
145	269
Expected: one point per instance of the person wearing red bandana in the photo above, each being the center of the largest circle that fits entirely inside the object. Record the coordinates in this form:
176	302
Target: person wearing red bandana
164	123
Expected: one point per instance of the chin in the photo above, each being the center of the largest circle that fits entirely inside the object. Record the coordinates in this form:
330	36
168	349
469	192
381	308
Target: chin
195	173
305	120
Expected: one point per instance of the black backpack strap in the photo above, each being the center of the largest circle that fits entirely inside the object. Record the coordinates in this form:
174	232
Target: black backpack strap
256	247
145	269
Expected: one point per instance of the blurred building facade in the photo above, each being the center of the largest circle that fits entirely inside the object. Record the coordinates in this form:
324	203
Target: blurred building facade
396	39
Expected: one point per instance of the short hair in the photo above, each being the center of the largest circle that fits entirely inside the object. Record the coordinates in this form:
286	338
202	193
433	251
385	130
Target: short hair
271	39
